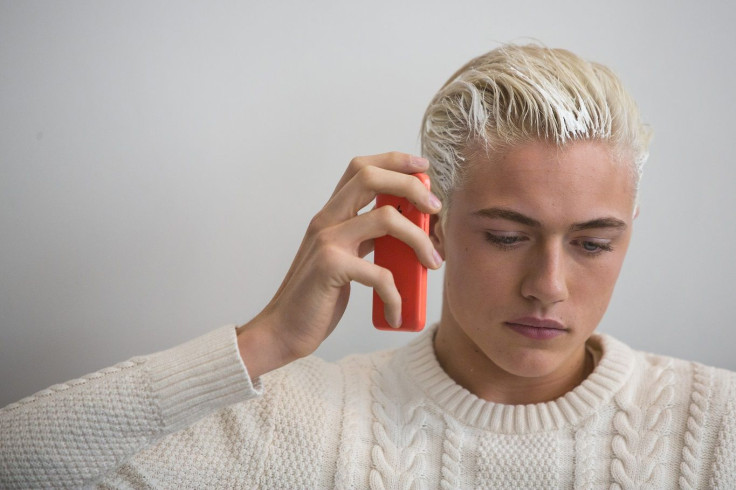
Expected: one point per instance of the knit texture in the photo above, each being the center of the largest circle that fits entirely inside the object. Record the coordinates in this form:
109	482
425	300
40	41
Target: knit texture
190	417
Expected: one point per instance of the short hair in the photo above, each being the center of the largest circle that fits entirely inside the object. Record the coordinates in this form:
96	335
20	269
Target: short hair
516	94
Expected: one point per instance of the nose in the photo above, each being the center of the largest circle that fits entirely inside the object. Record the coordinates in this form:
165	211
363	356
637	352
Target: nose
545	279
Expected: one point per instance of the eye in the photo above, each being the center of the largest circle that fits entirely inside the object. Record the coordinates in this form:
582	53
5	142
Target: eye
594	247
504	241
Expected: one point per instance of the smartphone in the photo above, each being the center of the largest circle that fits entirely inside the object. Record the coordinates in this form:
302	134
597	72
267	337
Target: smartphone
409	274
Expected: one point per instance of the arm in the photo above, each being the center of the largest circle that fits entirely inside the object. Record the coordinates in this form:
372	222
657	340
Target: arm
74	433
78	432
315	292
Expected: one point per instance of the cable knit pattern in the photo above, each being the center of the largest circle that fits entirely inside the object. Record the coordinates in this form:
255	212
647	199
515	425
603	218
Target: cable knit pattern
397	456
585	472
642	432
451	454
689	469
190	417
724	466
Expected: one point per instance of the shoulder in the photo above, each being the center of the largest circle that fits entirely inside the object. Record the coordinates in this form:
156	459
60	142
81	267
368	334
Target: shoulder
693	377
297	421
724	458
650	368
698	397
313	373
707	393
699	407
313	385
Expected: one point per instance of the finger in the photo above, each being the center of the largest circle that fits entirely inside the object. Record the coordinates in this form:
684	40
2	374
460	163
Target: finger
385	220
396	161
382	281
371	181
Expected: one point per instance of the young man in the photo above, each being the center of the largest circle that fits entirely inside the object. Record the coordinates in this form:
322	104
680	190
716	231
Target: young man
535	157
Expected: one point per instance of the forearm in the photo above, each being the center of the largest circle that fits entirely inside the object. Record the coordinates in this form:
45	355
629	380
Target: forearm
75	433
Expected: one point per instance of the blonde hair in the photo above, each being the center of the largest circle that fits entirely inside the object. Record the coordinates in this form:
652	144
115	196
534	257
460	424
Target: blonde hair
515	94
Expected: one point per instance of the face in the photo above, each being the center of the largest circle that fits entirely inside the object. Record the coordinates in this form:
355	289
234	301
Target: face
533	244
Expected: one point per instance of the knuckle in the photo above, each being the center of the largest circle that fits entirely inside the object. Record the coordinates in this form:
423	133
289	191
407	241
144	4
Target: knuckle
418	190
386	278
398	157
390	218
323	239
368	176
387	213
316	224
327	257
356	164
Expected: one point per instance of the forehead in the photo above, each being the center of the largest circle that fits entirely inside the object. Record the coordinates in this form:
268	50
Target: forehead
558	184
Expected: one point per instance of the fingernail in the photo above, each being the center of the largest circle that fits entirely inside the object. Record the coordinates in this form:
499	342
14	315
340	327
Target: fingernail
434	201
419	161
397	322
437	258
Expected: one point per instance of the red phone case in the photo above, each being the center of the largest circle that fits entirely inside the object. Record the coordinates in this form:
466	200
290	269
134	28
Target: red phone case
409	274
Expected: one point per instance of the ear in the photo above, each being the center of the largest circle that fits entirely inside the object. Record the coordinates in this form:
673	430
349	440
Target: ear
437	234
636	212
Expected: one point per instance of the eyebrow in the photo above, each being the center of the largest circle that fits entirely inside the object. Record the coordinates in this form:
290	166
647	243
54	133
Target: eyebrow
511	215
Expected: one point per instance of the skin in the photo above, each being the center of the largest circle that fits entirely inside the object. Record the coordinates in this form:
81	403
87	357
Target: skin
315	291
537	231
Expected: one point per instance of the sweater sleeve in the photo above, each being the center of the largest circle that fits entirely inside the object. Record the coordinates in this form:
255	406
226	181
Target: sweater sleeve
74	433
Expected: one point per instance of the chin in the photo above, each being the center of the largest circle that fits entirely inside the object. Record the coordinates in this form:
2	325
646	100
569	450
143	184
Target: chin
530	363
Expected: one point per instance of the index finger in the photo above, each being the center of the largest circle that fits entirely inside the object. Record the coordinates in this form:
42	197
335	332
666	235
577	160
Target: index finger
367	184
394	160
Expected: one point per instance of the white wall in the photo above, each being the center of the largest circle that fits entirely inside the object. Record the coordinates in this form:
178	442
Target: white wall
159	161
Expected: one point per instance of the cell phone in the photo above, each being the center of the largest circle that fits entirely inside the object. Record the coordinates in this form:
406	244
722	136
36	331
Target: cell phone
409	274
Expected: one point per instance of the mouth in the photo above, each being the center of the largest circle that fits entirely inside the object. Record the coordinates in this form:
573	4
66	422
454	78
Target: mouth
537	328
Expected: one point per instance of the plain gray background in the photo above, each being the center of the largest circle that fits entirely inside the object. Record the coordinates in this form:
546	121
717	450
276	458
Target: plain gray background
159	161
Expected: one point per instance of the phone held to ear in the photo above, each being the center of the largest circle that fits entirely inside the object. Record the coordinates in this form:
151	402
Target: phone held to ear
410	276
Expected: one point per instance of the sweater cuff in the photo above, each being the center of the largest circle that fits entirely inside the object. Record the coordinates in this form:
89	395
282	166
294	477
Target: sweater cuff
196	378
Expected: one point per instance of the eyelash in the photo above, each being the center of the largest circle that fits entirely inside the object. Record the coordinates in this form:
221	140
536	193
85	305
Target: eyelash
508	242
600	247
502	241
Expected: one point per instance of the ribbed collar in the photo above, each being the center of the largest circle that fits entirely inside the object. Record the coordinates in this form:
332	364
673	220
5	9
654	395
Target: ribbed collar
610	374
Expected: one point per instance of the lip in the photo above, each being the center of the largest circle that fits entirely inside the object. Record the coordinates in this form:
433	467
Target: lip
537	328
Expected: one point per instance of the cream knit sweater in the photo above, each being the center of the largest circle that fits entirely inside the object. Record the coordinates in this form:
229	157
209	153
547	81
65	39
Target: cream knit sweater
190	417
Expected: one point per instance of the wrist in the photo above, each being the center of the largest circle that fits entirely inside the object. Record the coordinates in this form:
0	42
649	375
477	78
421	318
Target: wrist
260	349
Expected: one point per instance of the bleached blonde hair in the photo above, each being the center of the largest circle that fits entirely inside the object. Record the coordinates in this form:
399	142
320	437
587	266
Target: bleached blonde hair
516	94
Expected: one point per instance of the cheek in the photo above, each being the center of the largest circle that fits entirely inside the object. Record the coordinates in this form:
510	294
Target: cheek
592	289
477	278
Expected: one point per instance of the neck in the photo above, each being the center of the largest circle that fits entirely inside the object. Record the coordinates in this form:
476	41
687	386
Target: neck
469	367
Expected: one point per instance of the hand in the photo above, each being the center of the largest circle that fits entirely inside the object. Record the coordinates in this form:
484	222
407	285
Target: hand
315	292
